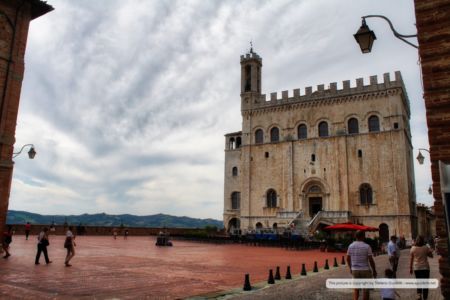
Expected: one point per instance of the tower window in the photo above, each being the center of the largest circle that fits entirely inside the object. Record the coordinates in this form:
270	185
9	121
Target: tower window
395	125
359	153
365	194
238	142
313	157
374	124
302	132
235	200
353	126
274	134
259	136
266	154
234	171
271	198
323	129
248	78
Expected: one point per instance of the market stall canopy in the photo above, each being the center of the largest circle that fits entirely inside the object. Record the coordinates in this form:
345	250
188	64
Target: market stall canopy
349	227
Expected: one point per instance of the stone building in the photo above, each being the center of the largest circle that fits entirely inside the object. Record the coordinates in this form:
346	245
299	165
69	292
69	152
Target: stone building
426	221
306	160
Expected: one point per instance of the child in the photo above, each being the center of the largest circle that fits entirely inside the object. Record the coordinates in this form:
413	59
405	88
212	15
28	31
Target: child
388	293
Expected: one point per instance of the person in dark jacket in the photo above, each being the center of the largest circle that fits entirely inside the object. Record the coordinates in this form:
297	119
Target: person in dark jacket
43	242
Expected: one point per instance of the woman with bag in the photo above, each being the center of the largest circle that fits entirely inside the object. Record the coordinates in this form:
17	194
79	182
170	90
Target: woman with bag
69	244
42	246
419	263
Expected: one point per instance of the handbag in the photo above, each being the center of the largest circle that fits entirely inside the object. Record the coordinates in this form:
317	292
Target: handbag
45	242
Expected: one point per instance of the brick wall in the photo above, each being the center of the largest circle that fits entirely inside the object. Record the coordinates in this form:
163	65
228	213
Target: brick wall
15	17
433	27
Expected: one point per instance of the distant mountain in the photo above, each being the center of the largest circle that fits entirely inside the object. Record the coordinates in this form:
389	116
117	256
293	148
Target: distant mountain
159	220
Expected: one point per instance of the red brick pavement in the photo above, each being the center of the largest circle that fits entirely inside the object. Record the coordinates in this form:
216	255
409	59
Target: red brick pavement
135	268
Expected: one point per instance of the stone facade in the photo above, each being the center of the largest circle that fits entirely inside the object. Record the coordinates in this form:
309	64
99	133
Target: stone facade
15	17
433	30
312	159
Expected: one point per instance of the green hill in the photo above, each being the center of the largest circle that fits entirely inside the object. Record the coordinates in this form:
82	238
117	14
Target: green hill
158	220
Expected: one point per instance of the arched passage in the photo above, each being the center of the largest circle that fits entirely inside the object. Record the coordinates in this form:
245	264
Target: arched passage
384	232
234	224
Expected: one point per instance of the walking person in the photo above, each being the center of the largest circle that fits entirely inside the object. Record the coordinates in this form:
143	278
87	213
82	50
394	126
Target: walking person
359	257
394	254
27	230
125	234
7	240
42	244
69	244
419	263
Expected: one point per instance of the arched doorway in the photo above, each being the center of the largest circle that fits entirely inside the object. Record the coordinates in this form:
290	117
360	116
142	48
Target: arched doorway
384	232
314	200
233	225
259	225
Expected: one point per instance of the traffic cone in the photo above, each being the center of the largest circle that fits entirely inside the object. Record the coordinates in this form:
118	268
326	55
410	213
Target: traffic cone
335	263
288	273
303	273
277	274
343	260
247	286
315	270
327	267
270	280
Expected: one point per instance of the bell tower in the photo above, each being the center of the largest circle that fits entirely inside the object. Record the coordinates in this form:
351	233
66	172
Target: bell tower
251	64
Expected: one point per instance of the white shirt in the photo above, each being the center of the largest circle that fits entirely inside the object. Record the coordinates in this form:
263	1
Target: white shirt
387	293
359	253
69	234
392	247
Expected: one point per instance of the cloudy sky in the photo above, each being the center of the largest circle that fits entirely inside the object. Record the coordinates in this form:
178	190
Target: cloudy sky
127	102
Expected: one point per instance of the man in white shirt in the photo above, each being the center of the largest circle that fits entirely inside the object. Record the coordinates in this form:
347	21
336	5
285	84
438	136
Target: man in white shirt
359	256
394	254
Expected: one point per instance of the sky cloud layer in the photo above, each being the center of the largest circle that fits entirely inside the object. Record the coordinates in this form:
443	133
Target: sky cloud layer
127	102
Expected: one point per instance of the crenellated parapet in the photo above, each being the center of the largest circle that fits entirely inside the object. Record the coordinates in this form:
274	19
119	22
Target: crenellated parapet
330	93
251	55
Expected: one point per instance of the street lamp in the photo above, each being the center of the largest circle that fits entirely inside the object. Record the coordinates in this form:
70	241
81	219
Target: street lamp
430	190
420	158
365	37
31	152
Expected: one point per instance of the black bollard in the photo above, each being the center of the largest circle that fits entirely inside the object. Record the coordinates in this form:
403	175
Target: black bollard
315	270
247	286
327	267
288	273
303	273
277	274
335	263
270	280
343	260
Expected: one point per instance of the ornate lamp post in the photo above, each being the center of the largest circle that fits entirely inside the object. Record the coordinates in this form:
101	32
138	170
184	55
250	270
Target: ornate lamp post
31	153
420	158
365	37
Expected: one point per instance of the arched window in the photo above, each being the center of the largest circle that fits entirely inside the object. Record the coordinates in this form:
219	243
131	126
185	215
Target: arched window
258	225
271	198
259	136
365	194
323	129
231	144
248	78
234	171
235	200
353	126
238	142
374	124
274	134
302	132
